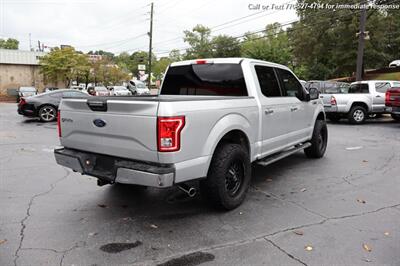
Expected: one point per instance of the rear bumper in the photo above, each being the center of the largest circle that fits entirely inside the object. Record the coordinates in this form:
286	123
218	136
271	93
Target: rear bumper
330	108
27	110
116	170
394	110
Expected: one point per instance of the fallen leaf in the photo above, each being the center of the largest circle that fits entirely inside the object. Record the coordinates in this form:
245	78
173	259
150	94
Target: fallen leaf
361	201
308	248
269	180
367	248
153	226
303	190
365	161
298	232
93	234
367	260
102	205
386	233
3	241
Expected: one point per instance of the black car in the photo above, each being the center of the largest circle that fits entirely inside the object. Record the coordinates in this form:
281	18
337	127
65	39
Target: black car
45	105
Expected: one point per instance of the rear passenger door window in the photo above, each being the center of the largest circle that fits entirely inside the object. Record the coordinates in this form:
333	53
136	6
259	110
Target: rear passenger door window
382	87
289	84
268	81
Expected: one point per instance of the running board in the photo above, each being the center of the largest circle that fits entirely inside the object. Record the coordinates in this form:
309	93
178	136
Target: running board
276	157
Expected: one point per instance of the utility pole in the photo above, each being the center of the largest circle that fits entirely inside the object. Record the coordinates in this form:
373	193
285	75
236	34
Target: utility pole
30	42
361	43
150	41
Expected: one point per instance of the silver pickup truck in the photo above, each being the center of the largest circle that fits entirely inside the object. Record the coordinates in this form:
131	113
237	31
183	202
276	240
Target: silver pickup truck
210	121
364	98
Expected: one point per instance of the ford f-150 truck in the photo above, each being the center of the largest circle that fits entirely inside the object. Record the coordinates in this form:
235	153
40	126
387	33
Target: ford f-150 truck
210	121
364	98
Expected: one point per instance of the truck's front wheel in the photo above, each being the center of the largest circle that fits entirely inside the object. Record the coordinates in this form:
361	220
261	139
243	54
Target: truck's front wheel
228	177
319	140
396	117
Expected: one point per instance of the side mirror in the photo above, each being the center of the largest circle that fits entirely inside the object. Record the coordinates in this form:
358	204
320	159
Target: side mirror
313	94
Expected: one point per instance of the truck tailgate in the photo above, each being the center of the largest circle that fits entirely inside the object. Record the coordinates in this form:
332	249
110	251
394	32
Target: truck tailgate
122	128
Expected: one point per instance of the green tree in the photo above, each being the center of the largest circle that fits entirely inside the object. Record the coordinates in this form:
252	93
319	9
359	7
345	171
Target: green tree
225	46
200	42
9	44
160	66
272	45
175	55
62	65
325	43
103	53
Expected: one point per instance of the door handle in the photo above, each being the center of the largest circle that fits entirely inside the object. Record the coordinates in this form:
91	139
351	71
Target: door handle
293	109
268	111
378	96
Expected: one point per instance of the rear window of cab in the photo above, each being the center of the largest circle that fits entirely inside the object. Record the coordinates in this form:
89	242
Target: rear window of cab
205	79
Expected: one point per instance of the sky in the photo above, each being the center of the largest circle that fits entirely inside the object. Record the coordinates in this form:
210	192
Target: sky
122	25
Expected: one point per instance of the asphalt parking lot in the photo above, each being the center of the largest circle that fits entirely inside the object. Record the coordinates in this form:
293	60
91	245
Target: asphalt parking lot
343	209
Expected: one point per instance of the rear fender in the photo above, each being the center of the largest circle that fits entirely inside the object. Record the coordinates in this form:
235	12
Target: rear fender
224	125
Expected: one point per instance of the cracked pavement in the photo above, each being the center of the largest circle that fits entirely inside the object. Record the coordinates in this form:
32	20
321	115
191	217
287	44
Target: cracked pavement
336	205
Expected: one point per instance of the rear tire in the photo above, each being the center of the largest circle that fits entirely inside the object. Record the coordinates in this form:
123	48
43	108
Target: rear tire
228	177
396	117
319	140
47	113
357	115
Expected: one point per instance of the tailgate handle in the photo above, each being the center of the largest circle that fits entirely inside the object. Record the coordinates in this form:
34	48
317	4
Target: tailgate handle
97	105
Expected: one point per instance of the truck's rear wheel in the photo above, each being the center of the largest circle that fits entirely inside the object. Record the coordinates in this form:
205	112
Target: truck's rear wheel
319	140
228	177
357	115
396	117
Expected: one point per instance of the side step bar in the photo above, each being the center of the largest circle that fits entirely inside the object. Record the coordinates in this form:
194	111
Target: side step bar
276	157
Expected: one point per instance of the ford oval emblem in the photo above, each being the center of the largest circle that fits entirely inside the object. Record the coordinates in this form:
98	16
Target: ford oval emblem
99	123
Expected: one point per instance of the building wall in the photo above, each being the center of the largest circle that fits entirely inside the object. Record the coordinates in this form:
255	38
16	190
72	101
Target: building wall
15	76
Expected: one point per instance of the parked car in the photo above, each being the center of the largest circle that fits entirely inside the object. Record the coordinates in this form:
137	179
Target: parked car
26	92
364	98
49	89
392	101
119	91
212	119
45	105
395	63
98	91
138	87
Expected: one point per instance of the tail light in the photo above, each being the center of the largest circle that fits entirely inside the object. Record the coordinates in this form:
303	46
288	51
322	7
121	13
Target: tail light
387	98
21	101
333	100
169	133
59	123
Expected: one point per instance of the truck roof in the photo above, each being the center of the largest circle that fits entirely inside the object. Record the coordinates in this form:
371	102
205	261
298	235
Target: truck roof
230	60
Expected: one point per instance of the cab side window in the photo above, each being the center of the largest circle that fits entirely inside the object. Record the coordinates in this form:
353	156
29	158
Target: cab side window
290	85
268	81
382	87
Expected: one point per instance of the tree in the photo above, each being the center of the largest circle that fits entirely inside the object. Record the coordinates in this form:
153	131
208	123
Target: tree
160	66
175	55
325	43
272	45
9	44
62	65
225	46
102	53
199	41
